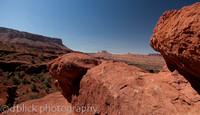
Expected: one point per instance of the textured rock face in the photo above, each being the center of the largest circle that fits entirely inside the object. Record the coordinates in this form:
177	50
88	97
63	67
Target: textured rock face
118	88
177	37
69	70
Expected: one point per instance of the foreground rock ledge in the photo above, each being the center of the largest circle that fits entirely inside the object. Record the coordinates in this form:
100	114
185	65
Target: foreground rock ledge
177	37
118	88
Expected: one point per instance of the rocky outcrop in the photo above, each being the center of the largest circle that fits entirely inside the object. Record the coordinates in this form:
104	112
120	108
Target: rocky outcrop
11	65
118	88
177	37
69	70
31	40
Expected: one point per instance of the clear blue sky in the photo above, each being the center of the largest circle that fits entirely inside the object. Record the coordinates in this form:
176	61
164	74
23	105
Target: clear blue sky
118	26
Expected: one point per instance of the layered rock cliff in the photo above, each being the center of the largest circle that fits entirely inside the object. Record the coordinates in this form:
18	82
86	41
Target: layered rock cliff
31	40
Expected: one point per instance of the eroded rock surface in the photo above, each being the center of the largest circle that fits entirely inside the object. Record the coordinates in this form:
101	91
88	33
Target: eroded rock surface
69	70
118	88
177	37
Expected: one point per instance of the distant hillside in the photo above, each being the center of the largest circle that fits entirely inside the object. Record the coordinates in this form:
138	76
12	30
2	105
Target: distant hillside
31	40
151	62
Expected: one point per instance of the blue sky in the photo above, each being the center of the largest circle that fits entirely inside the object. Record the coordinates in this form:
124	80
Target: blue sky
117	26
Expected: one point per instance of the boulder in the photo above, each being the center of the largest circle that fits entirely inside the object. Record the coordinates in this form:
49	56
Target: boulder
69	70
177	37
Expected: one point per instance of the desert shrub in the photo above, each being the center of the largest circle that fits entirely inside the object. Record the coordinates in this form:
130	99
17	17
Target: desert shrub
2	54
2	58
33	96
41	58
21	75
7	75
42	79
15	80
25	81
47	83
4	82
14	55
33	78
39	61
32	61
39	75
50	92
13	47
33	87
46	89
23	93
8	59
17	68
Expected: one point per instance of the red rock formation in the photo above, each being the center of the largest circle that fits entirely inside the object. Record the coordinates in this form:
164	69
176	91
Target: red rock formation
31	40
177	37
118	88
69	70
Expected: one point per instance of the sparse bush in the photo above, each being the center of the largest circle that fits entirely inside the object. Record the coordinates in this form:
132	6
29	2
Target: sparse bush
33	87
15	80
13	47
7	75
17	102
32	61
41	58
21	75
39	75
39	61
33	96
14	55
33	78
4	82
25	81
42	79
17	68
46	89
1	58
47	83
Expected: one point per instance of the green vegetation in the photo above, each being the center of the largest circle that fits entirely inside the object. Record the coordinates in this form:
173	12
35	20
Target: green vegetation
32	61
4	82
33	78
47	83
41	58
25	81
21	74
33	96
15	80
17	68
33	87
13	47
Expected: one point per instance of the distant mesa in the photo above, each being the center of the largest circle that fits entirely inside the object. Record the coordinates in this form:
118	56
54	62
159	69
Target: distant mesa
31	40
155	54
